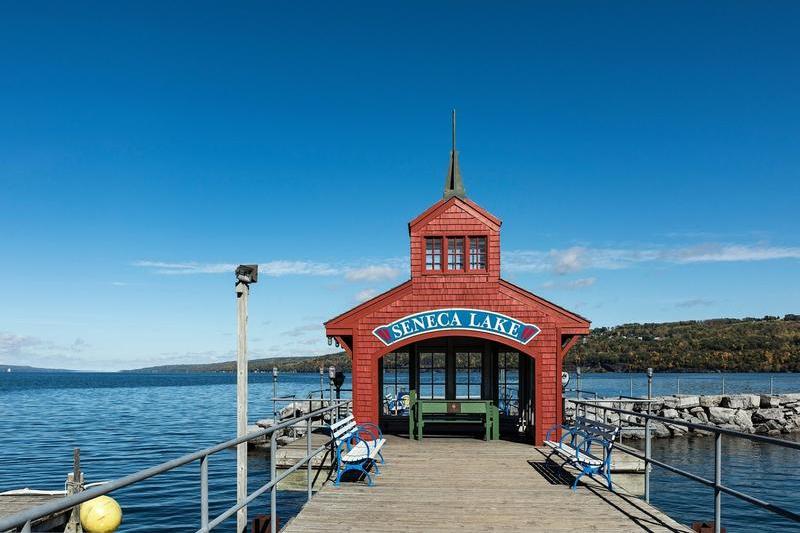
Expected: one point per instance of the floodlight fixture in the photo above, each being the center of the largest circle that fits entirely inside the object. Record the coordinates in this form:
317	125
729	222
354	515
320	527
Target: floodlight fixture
247	273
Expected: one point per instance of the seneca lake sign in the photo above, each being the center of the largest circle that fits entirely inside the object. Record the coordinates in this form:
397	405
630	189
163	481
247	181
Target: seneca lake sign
456	319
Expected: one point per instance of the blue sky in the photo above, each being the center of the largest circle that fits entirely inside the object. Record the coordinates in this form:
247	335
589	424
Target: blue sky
643	157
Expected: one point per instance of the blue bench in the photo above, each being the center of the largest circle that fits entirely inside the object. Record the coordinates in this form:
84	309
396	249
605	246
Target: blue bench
576	446
358	446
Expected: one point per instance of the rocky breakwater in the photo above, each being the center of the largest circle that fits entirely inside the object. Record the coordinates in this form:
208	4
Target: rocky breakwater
750	413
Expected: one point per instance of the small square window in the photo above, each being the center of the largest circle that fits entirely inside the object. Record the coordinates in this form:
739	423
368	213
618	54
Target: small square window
477	253
455	253
433	253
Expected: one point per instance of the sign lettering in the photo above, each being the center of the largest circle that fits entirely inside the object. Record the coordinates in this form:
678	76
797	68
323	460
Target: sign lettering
454	320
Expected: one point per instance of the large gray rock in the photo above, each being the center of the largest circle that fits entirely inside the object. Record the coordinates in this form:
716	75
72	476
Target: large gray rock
263	440
764	415
743	419
774	424
741	401
687	402
265	422
659	430
670	402
293	410
721	415
632	432
702	417
710	401
768	401
677	431
670	413
789	398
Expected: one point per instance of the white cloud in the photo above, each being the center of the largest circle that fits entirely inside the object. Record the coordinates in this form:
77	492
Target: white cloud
160	267
578	258
366	294
281	267
581	283
726	253
372	273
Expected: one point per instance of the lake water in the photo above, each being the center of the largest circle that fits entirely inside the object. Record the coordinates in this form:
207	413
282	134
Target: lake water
127	422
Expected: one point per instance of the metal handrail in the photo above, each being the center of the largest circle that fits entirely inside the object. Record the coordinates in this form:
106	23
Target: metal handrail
716	484
26	517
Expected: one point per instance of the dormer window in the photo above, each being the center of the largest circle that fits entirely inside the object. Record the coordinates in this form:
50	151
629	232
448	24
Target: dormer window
477	253
433	253
455	253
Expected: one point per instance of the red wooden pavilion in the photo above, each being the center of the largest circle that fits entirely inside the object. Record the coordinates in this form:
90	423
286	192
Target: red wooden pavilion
456	329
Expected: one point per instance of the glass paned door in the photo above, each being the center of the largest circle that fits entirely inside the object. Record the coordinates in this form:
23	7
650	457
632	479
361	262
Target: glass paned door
508	383
395	384
432	373
468	374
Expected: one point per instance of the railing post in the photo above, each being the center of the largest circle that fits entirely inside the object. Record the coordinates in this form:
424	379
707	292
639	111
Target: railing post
771	385
204	492
678	386
273	475
578	382
631	393
647	443
274	393
308	453
717	482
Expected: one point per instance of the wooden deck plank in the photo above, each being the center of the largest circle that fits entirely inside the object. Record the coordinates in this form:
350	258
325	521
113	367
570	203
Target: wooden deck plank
458	484
12	504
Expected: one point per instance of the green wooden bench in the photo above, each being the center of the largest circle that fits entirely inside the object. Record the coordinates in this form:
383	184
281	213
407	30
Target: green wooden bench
424	411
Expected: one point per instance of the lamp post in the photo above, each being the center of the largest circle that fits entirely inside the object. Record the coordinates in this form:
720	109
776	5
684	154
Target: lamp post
245	275
331	376
274	392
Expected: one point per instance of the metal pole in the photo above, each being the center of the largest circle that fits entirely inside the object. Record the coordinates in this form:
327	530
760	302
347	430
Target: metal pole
308	464
308	453
631	394
770	385
647	443
578	380
273	474
204	492
242	294
321	385
331	375
275	392
679	386
717	482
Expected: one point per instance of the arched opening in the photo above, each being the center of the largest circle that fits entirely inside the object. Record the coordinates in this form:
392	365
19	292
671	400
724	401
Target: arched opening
459	367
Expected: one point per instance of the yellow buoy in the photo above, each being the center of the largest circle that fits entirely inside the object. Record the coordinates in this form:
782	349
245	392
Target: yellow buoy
101	515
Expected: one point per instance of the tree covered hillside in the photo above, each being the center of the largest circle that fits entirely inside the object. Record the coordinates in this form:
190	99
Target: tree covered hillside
768	344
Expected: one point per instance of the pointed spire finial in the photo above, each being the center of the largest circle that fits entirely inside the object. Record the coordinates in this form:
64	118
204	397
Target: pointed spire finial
453	185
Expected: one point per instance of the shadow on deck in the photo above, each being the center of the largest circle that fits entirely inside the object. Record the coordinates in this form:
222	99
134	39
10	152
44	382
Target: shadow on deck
460	484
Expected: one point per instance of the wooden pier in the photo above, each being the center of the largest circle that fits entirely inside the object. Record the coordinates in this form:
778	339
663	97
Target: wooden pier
463	484
13	503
